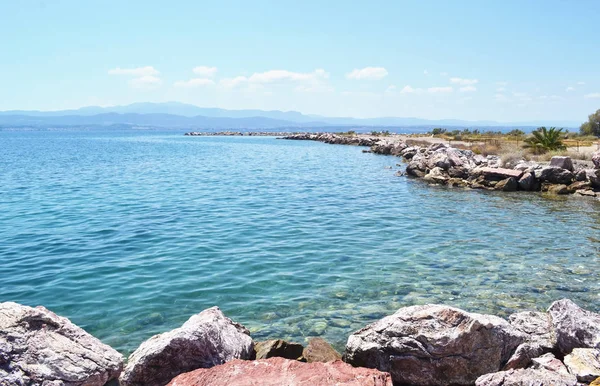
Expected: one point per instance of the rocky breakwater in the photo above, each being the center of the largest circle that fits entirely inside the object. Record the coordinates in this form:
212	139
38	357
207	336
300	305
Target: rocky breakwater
336	139
417	345
442	164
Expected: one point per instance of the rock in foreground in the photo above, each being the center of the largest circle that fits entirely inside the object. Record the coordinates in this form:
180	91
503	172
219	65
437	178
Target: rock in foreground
280	371
434	345
38	347
318	350
527	377
205	340
278	348
575	327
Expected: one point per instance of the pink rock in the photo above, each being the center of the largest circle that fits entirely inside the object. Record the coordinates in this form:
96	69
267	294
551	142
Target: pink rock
279	371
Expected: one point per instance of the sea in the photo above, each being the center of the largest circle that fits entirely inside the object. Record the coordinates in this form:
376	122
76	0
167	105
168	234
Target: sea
128	233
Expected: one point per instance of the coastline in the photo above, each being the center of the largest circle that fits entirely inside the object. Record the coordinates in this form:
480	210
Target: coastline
442	164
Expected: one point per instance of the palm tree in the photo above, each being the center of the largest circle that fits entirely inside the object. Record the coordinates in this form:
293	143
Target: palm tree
543	140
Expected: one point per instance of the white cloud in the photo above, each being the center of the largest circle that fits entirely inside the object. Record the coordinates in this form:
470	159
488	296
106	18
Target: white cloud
137	72
551	97
194	82
468	89
502	84
407	90
569	89
592	95
314	88
147	81
233	82
438	90
443	74
520	94
205	71
367	73
581	83
274	76
391	88
463	82
501	89
425	72
501	98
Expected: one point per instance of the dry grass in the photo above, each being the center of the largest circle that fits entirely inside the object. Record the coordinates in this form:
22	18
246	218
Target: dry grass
418	142
573	154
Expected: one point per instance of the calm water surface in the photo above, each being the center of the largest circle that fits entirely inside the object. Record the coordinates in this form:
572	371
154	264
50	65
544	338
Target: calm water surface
130	233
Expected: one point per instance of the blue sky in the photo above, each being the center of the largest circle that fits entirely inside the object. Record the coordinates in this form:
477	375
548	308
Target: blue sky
499	60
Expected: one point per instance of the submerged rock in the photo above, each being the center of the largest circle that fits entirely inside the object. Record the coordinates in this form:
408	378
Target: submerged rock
434	345
574	326
507	185
280	371
40	348
318	350
555	175
278	348
207	339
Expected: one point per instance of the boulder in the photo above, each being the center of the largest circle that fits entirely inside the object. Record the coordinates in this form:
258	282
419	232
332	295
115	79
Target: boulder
458	172
579	185
497	173
416	168
38	347
586	192
549	362
596	159
554	175
584	363
593	175
526	377
280	371
562	162
555	188
574	326
507	185
580	175
207	339
528	182
537	326
436	175
434	344
318	350
278	348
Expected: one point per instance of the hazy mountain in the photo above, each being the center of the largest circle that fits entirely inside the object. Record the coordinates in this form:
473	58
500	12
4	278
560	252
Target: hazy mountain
185	115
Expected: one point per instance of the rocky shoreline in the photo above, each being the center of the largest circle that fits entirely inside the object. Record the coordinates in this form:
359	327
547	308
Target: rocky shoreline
239	134
417	345
442	164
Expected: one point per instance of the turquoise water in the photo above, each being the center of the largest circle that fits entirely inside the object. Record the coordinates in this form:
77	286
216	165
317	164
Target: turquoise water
130	233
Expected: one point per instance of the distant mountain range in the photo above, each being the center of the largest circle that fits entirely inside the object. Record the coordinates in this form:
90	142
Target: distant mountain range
181	115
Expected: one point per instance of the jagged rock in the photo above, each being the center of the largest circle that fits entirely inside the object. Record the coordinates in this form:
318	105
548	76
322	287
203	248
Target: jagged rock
578	185
580	175
584	363
280	371
278	348
527	377
586	192
416	168
523	355
593	175
574	326
458	172
436	175
40	348
555	188
458	182
433	344
596	159
497	173
528	182
318	350
562	162
207	339
537	326
554	175
409	152
549	362
507	185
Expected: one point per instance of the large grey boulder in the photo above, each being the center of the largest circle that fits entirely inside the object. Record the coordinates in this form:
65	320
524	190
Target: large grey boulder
593	175
555	175
40	348
527	377
562	162
434	345
574	326
207	339
541	339
596	159
496	173
584	363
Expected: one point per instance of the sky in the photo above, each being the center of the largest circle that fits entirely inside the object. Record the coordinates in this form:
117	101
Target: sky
476	60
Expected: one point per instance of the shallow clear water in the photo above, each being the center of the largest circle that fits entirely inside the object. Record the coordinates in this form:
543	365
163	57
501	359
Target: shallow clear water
130	233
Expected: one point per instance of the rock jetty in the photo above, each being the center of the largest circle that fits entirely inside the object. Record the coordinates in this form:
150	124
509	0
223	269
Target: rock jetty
417	345
443	164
